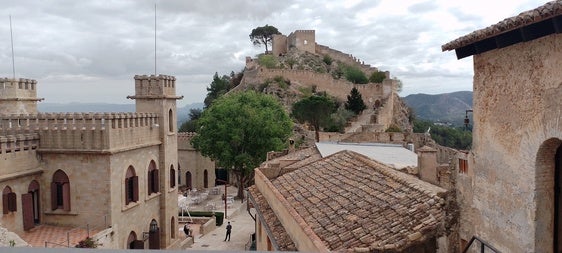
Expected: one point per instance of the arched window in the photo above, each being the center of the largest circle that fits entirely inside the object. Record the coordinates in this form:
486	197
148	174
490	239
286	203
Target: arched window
8	200
153	186
131	186
60	191
133	243
172	176
171	120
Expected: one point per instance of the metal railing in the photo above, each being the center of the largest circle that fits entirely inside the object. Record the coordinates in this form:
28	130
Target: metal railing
483	245
69	232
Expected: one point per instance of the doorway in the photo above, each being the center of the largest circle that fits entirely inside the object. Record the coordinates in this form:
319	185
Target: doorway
188	180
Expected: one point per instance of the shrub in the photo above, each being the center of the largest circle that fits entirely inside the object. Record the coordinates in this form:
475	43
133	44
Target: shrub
355	75
394	129
268	61
328	60
88	243
377	77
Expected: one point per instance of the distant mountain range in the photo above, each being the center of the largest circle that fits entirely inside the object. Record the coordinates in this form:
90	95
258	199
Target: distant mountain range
446	107
183	112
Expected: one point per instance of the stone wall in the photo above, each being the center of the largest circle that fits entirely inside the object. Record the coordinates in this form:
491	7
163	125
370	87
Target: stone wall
339	88
191	160
517	122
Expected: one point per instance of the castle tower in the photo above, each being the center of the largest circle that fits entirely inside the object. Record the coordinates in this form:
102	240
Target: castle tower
157	94
18	96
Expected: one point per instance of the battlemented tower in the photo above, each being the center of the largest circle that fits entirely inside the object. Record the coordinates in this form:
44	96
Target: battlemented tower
157	94
18	96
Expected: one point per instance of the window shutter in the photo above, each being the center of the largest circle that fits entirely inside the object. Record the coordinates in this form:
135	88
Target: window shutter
156	181
135	188
27	211
5	205
66	196
127	180
54	205
12	205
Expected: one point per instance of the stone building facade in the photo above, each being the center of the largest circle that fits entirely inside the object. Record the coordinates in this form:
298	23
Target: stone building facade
195	171
115	172
509	186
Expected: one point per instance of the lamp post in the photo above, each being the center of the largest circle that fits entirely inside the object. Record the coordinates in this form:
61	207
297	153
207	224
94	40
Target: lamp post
225	185
466	119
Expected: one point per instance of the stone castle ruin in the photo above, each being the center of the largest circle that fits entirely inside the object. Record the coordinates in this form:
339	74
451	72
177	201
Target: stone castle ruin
380	97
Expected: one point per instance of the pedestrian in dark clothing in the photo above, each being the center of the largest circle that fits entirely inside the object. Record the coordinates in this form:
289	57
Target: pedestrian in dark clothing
186	229
228	229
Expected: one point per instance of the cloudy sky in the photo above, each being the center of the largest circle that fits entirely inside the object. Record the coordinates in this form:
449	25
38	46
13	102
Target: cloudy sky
89	51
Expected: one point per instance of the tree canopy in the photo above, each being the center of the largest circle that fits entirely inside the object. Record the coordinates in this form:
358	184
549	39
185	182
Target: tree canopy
263	35
191	124
355	102
315	110
238	130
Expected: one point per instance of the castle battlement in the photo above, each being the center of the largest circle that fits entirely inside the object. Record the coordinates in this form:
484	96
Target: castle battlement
154	86
85	131
19	142
21	83
18	95
304	31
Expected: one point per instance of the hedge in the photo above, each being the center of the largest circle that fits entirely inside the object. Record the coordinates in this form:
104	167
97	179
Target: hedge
218	215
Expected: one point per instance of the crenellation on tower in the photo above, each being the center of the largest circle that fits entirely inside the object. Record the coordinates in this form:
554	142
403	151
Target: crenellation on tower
18	95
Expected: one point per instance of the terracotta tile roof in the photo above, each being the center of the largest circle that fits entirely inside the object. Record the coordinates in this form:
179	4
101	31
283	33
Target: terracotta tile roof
281	237
546	11
352	202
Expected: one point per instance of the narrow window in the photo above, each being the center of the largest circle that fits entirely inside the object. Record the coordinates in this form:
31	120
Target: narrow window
60	191
172	176
153	185
131	186
8	200
171	120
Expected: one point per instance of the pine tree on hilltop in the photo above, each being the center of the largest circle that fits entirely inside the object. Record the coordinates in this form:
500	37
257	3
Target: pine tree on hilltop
355	102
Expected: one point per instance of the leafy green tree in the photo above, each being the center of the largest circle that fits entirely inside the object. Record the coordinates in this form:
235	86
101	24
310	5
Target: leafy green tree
218	87
263	35
315	110
355	102
339	120
238	130
377	77
452	137
191	124
355	75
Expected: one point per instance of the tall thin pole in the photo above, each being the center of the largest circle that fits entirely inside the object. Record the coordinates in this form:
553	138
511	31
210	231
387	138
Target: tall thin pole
12	39
155	39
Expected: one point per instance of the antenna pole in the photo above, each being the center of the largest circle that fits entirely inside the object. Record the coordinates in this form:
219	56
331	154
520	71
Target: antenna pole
155	39
12	40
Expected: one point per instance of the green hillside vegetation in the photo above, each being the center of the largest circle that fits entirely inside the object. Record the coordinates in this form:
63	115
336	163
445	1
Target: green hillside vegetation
453	137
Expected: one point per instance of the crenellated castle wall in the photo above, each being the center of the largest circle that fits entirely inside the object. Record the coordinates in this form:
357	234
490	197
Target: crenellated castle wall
348	59
85	132
339	88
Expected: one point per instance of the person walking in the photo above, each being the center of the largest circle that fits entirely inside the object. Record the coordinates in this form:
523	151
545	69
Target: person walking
228	229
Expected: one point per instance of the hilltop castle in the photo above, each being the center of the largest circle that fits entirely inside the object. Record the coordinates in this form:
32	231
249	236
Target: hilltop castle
116	173
382	97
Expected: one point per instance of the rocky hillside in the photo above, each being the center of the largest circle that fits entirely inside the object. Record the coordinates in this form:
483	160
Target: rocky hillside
446	107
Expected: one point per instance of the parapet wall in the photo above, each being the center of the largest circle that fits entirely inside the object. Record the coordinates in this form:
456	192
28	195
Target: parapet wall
348	59
85	132
184	140
154	86
339	88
